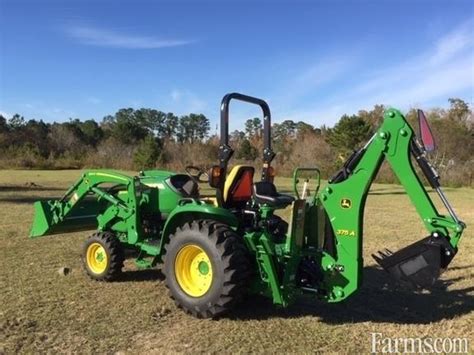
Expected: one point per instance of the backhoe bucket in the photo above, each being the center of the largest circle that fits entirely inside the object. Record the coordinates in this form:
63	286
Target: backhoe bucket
419	264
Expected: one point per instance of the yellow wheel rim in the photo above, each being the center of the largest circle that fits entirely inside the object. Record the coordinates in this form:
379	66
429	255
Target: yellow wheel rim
193	270
96	258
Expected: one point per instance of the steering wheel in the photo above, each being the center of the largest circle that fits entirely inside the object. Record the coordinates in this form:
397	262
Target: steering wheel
197	174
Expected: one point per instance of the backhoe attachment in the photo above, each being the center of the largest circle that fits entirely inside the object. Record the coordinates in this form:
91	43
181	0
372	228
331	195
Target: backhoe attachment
421	263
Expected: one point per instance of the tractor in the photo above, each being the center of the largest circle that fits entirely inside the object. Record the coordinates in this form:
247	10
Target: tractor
215	250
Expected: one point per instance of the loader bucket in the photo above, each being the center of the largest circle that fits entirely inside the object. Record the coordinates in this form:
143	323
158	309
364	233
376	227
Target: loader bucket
42	219
420	264
83	217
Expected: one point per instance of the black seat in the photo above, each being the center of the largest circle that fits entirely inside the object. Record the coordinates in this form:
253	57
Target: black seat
184	185
265	193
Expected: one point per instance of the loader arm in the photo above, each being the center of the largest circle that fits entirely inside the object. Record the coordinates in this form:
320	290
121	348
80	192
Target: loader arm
344	200
73	213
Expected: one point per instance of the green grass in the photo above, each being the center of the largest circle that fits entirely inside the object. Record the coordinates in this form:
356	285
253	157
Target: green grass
42	311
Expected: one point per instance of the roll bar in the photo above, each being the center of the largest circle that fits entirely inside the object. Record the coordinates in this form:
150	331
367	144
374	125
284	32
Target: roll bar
225	151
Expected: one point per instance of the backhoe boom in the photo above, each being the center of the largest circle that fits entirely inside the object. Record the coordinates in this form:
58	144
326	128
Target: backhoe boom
344	201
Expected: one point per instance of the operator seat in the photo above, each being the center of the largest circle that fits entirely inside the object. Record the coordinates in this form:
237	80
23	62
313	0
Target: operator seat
238	187
265	193
184	185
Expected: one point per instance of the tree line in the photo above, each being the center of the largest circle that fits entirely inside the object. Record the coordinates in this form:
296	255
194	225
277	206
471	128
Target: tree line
147	138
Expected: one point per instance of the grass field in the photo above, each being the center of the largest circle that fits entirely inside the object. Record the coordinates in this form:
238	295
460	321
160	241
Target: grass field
43	311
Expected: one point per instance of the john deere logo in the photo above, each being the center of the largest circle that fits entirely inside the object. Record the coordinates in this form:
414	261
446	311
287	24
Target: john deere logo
346	203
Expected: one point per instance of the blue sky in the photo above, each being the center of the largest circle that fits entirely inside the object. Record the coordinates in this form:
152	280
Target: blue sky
312	60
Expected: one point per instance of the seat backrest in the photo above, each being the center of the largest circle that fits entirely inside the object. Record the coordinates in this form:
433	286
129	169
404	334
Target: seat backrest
185	185
238	186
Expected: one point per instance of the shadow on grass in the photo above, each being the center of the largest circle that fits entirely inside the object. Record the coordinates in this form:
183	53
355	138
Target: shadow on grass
26	199
381	299
141	275
33	187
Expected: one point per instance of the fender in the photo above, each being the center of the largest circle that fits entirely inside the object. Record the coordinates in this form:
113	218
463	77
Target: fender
192	210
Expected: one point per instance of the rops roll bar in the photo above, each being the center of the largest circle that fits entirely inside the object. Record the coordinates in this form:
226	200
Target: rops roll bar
225	151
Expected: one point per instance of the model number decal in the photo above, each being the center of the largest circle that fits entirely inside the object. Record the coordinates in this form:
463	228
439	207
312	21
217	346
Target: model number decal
346	232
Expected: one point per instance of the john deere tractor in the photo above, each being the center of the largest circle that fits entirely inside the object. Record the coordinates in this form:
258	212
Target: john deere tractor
215	250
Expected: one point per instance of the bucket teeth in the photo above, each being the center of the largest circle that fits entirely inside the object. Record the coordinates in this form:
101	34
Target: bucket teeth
385	253
377	258
382	254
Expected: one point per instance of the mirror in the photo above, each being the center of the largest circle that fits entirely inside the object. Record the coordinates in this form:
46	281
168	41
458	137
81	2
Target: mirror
425	134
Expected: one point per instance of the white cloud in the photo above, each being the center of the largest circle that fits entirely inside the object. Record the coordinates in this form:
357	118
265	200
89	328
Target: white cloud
107	38
176	95
185	101
325	71
444	69
453	42
314	78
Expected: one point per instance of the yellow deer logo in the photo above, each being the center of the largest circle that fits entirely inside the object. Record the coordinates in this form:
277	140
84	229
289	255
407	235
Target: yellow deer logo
346	203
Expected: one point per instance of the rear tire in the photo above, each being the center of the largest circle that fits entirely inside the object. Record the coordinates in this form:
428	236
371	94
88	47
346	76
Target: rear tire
207	268
102	256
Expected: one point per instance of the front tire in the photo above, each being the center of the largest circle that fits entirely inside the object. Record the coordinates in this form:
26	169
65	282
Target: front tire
206	268
102	256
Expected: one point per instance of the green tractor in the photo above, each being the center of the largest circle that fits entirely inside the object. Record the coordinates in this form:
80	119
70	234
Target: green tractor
214	250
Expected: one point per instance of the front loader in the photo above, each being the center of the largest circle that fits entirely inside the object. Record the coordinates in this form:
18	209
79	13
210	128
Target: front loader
215	251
